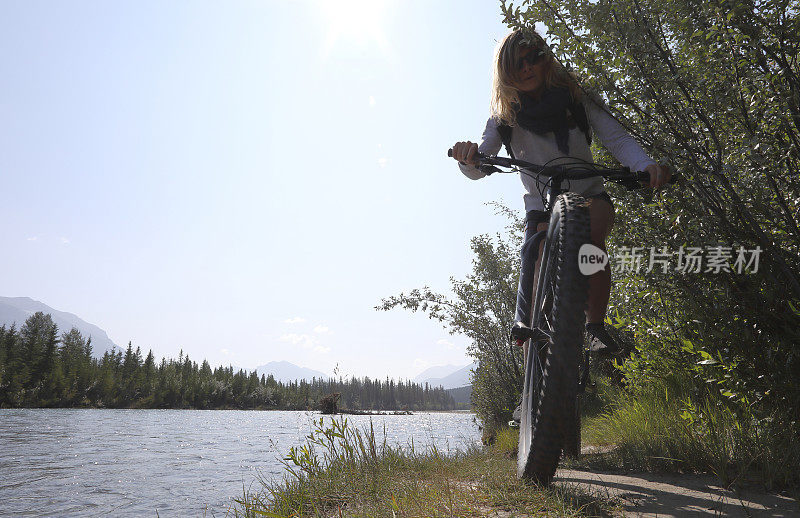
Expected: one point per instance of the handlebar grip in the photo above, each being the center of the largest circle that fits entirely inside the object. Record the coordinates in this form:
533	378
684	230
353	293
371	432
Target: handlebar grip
478	155
644	176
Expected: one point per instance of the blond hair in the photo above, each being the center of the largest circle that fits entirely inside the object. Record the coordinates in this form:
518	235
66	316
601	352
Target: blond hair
505	94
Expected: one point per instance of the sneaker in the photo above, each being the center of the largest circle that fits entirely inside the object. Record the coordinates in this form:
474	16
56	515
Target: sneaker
601	342
516	416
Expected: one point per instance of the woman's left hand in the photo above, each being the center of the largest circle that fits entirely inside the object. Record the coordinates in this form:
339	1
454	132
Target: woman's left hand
659	175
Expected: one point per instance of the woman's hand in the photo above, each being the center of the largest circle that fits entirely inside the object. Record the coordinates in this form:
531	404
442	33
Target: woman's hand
659	175
465	152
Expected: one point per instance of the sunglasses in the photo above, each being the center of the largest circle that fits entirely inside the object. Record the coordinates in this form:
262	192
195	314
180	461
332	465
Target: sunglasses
533	57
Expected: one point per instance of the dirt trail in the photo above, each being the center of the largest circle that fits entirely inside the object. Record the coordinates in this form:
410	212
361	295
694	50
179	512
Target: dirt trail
666	495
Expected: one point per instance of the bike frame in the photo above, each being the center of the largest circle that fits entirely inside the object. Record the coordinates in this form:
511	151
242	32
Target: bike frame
549	427
558	174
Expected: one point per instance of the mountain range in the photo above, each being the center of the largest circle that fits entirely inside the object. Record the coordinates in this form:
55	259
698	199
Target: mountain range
448	376
285	372
16	310
439	371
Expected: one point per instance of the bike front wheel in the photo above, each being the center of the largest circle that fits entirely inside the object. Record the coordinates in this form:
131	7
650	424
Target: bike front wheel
549	396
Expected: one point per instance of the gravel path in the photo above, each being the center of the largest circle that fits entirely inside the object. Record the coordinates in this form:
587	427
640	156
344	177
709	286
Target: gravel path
668	495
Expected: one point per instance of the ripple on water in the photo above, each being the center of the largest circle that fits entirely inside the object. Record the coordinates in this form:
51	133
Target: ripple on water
72	462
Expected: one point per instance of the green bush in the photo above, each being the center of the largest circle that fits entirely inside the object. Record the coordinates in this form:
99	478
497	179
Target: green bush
666	427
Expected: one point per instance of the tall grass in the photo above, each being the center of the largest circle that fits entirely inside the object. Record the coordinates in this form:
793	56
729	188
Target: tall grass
664	428
345	471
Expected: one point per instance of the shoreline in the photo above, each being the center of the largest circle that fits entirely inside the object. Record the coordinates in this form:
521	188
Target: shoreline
358	412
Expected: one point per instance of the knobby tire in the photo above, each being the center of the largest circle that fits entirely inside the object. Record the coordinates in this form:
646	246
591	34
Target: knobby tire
550	421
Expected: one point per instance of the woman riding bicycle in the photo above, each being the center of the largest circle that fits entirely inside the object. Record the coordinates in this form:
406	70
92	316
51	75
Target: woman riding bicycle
543	116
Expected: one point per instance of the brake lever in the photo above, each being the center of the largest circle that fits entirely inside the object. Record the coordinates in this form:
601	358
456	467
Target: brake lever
489	169
635	183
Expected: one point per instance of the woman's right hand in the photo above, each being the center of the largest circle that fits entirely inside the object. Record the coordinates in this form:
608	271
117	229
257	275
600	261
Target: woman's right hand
465	152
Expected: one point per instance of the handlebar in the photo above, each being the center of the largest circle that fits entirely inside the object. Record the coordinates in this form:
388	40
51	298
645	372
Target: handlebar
622	175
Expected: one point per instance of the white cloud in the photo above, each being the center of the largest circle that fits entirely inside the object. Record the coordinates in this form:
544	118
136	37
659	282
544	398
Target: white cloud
64	241
33	238
225	352
371	101
304	341
295	320
383	161
421	364
322	330
322	349
446	343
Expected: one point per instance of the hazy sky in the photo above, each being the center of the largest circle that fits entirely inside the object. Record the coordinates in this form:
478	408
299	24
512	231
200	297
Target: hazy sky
246	180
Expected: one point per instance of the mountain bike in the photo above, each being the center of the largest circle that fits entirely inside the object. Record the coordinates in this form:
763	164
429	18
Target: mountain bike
557	362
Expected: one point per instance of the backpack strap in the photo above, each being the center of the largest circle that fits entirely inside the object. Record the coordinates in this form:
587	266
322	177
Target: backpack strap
505	136
582	120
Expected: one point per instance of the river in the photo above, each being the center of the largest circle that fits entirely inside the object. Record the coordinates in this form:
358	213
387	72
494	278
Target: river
89	462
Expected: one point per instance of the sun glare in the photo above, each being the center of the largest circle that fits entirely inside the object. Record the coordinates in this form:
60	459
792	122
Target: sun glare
355	22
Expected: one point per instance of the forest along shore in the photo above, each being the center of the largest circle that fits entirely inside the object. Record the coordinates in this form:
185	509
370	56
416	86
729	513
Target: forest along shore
41	368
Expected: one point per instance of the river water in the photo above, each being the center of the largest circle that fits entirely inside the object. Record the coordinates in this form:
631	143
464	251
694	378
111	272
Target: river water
74	462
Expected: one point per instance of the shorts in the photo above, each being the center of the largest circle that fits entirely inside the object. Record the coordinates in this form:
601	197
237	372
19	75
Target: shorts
534	217
528	260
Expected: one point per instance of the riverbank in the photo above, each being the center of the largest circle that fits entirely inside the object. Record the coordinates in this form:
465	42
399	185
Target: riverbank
640	456
345	471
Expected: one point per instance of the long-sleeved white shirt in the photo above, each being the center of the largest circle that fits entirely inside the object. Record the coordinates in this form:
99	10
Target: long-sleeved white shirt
541	149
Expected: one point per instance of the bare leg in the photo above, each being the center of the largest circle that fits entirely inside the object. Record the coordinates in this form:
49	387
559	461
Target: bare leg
601	214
